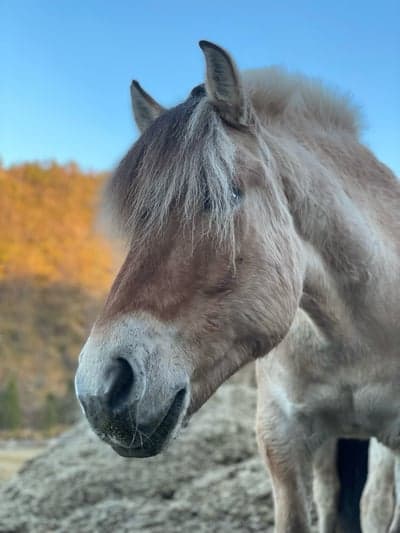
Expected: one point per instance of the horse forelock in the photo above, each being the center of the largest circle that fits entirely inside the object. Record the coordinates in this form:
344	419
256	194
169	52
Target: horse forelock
184	160
187	157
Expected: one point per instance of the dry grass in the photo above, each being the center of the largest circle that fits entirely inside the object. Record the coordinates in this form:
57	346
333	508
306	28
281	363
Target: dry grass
42	330
12	459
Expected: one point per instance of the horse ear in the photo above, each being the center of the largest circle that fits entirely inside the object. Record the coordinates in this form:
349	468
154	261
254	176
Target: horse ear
145	108
223	84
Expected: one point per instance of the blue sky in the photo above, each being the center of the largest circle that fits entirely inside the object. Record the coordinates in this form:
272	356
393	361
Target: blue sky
66	65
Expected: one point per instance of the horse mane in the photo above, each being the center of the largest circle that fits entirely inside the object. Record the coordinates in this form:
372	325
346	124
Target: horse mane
183	163
186	159
295	99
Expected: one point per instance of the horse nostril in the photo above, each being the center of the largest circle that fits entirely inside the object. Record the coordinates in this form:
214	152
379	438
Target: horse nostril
120	380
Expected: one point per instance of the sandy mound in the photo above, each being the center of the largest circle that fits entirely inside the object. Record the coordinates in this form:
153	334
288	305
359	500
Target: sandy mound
210	480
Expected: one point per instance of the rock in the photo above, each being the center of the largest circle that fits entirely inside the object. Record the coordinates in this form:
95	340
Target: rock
209	480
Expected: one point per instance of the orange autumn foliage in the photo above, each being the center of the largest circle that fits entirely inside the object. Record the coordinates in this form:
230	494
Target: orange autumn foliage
47	229
54	271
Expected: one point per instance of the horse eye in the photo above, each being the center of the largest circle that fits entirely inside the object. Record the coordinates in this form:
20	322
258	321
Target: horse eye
144	216
236	193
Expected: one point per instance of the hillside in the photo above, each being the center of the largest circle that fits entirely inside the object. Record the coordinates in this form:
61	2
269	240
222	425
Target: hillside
54	270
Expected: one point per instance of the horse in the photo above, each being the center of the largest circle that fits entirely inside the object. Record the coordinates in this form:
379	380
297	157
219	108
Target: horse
258	228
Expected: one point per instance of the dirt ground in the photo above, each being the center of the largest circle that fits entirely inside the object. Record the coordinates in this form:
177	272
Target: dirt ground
209	480
13	457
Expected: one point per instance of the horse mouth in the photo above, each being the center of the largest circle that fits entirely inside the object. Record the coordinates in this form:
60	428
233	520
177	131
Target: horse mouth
154	443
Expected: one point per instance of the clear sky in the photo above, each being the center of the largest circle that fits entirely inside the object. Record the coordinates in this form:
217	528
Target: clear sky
66	65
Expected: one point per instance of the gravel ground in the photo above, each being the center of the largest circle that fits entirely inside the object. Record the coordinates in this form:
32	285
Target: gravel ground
209	480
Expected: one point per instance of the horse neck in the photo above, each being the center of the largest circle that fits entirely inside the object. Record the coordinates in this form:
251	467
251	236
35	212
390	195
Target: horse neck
350	264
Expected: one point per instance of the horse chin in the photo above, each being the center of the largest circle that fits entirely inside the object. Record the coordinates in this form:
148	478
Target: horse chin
136	452
166	431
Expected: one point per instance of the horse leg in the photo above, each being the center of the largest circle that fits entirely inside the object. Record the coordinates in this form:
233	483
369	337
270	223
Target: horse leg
290	467
377	502
395	525
326	486
291	486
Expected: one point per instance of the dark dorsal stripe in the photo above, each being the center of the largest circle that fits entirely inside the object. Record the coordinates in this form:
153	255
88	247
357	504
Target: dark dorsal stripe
199	91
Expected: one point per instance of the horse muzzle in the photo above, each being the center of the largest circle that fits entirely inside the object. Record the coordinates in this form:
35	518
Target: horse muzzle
126	409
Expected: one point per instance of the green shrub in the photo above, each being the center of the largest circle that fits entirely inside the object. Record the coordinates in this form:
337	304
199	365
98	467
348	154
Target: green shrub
10	409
